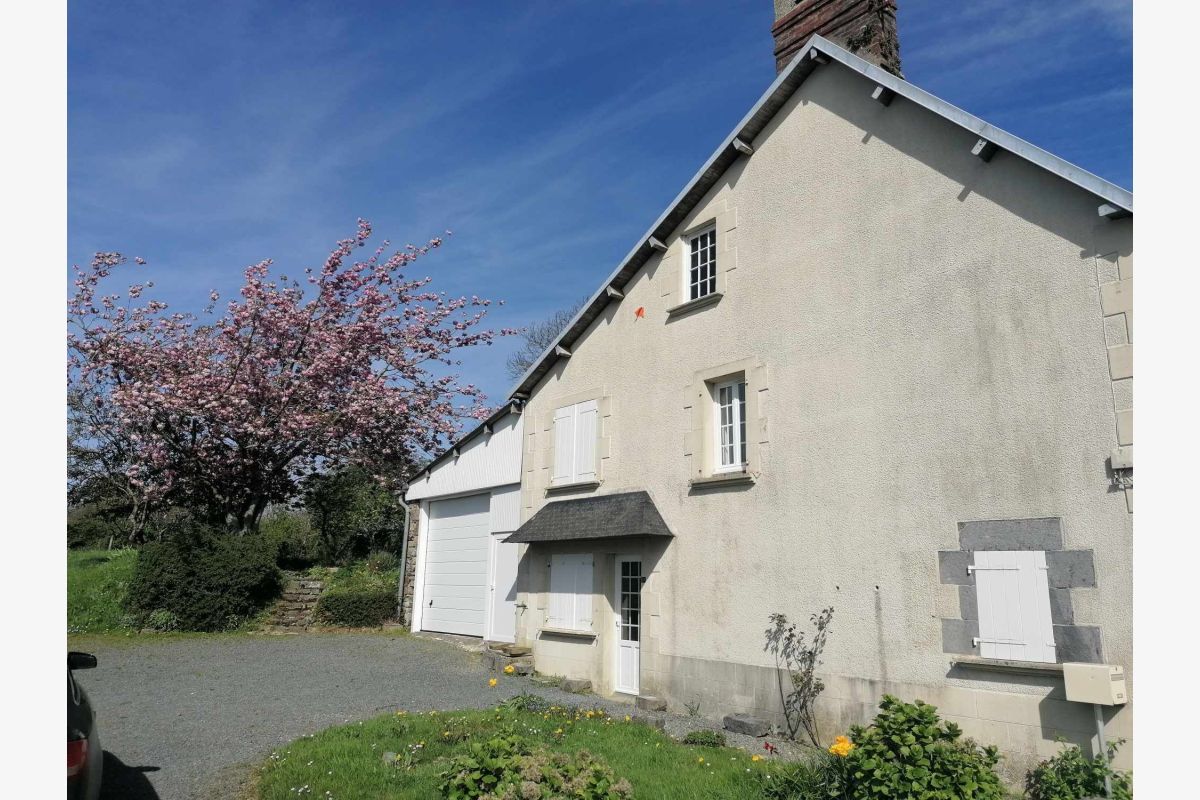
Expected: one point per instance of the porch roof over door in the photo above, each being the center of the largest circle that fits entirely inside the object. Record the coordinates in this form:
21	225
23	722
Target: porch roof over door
607	516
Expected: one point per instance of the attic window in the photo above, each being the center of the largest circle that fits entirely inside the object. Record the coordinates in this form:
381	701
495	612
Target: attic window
702	264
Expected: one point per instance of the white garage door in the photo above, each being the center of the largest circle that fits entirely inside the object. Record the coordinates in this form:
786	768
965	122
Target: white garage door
456	562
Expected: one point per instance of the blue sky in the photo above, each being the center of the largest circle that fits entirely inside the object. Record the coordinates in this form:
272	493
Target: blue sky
547	135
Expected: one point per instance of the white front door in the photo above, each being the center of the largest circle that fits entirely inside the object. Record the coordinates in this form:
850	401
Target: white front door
629	623
502	590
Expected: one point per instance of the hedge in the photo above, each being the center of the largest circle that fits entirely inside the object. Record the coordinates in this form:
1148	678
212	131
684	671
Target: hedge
208	580
357	606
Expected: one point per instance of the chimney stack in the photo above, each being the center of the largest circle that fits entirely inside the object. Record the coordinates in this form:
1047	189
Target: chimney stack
866	28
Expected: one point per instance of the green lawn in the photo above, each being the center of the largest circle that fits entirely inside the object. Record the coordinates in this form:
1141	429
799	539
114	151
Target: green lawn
346	762
96	584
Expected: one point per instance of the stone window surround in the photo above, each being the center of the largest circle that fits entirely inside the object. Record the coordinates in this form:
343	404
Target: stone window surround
701	444
545	425
722	214
1068	569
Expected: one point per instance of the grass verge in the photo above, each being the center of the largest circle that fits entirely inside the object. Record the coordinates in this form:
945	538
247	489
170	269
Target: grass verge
346	762
96	584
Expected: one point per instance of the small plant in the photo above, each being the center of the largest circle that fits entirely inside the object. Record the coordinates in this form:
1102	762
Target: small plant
382	561
162	620
693	708
798	656
909	752
506	766
705	738
527	701
813	779
1071	775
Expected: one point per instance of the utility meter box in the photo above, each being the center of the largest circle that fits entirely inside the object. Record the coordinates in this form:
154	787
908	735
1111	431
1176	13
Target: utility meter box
1102	684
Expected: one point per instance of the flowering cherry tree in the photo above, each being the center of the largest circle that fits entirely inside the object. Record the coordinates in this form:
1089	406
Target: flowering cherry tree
224	412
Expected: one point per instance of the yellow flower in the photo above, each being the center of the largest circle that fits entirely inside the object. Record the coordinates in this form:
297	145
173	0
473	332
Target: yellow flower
628	718
492	681
510	669
558	732
841	747
756	757
700	760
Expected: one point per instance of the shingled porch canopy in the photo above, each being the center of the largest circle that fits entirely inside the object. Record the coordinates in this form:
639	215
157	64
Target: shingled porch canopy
605	517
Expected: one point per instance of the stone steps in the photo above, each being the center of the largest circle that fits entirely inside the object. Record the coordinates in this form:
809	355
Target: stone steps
294	610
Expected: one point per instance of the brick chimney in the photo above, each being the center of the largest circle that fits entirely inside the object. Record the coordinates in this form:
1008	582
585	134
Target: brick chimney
866	28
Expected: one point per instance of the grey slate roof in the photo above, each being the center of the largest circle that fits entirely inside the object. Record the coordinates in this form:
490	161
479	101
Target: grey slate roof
604	517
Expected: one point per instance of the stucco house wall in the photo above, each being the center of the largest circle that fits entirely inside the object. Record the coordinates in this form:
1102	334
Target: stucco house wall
924	339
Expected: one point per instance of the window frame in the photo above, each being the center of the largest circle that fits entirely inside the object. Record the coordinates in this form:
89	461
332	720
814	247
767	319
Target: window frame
737	426
690	240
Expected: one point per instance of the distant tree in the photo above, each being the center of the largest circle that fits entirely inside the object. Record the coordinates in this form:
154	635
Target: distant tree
352	515
228	412
538	337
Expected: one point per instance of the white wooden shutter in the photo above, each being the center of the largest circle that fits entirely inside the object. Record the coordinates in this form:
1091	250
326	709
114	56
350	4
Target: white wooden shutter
587	415
570	606
1013	593
564	445
562	592
583	593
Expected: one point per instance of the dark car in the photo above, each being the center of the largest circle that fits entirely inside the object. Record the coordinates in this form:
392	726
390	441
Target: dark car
85	759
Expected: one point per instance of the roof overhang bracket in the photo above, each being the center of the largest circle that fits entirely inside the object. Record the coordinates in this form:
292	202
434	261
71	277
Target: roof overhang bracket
561	351
613	292
883	95
984	150
742	147
656	244
1109	211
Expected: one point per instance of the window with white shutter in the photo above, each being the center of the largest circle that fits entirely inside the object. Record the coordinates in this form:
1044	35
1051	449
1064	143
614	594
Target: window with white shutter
1013	593
575	432
570	606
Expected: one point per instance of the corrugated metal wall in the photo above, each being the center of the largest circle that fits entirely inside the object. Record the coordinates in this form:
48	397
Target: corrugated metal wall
484	462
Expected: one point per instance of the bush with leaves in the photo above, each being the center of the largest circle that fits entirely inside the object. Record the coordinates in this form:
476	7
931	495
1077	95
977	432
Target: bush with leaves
359	596
207	579
816	778
506	767
1071	775
798	657
908	751
705	738
292	535
352	515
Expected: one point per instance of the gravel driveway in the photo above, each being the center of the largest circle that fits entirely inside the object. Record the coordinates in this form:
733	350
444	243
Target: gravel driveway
189	718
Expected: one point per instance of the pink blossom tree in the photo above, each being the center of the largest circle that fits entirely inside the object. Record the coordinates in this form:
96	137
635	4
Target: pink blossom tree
225	412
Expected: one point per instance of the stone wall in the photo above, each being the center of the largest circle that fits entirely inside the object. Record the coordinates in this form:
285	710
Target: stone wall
410	566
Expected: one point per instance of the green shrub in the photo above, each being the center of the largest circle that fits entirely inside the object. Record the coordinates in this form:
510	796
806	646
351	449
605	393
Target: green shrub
909	752
382	561
705	738
505	767
162	620
95	525
207	579
527	701
814	779
357	606
295	541
1071	775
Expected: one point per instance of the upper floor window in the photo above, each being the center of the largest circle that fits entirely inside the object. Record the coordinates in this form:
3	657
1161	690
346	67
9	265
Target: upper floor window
575	433
730	418
702	264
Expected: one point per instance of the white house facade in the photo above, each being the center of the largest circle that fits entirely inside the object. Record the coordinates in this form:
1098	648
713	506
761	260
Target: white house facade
877	355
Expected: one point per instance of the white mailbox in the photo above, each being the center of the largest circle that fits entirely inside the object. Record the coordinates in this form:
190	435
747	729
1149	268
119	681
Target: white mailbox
1100	684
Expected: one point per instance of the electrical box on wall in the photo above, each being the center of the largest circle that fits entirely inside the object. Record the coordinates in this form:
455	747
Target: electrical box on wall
1102	684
